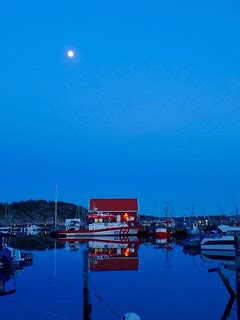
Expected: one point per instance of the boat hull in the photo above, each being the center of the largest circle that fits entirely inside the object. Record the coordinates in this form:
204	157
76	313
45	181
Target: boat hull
162	233
120	231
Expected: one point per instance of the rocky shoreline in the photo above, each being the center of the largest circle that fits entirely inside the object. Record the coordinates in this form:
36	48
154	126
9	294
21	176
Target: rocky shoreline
37	212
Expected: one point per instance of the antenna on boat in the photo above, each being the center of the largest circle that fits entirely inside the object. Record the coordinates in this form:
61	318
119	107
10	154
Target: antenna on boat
56	207
166	209
77	215
193	210
7	215
159	208
236	210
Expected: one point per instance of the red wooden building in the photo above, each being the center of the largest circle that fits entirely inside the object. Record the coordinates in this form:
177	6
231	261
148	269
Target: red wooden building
124	210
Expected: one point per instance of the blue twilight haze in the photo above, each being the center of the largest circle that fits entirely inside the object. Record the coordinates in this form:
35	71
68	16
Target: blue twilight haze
148	107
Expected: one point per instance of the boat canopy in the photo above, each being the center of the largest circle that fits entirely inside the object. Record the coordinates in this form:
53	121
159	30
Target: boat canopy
224	228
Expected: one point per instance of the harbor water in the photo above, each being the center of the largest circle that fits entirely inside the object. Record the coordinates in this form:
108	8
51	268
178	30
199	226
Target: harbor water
155	281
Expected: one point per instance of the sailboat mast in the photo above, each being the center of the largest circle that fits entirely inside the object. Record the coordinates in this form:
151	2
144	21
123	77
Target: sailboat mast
56	207
6	213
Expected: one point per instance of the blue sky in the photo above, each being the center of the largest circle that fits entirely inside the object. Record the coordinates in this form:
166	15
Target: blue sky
148	108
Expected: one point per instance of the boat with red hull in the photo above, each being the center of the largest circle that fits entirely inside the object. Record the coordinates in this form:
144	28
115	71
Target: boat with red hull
106	217
119	229
106	225
162	233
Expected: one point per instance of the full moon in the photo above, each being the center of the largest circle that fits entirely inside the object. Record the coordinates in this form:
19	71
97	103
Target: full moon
70	53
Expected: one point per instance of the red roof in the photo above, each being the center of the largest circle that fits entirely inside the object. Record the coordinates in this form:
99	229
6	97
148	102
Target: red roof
113	205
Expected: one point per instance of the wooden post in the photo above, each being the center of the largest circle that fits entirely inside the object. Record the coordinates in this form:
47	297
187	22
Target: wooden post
237	265
226	283
87	308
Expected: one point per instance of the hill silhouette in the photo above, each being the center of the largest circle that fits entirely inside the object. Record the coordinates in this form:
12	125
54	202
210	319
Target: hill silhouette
37	211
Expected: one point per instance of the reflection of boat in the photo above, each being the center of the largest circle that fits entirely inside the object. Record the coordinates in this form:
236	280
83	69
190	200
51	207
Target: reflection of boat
10	257
7	282
163	244
31	229
192	246
219	243
161	241
113	255
105	239
106	255
225	256
11	260
74	244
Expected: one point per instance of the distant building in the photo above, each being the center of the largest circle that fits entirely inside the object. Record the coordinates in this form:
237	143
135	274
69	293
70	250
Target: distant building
124	210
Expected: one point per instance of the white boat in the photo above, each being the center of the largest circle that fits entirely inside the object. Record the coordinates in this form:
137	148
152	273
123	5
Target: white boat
229	230
106	226
223	243
101	229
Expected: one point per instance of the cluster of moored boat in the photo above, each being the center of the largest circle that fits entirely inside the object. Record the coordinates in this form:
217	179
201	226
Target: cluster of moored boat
223	243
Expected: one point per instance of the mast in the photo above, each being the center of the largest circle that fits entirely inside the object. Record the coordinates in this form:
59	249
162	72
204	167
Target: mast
6	213
56	207
166	210
193	210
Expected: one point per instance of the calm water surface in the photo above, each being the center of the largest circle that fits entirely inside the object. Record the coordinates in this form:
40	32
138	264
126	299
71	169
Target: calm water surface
149	279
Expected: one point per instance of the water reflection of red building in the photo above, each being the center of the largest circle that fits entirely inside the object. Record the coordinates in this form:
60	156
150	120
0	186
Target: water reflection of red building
115	255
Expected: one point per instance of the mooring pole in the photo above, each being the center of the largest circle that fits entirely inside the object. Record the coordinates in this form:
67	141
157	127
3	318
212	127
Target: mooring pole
237	264
87	308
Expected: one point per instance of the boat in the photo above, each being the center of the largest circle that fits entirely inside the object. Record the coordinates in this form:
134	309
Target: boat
162	233
100	256
11	260
229	230
31	229
223	243
99	224
193	230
